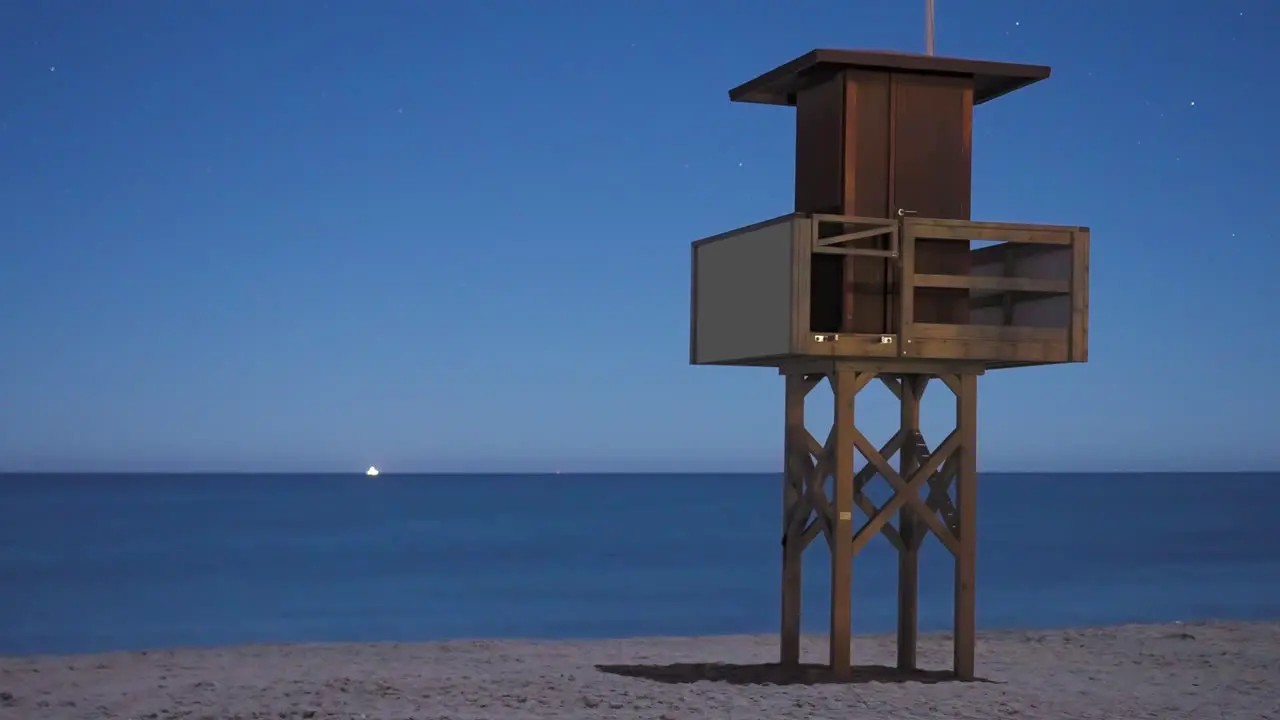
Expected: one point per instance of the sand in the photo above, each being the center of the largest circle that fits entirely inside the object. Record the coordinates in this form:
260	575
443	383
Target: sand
1196	670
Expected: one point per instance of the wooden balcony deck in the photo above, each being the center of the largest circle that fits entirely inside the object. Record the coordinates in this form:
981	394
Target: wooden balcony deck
978	293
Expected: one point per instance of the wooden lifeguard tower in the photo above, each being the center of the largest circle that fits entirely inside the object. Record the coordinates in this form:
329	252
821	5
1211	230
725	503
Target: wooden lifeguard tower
880	276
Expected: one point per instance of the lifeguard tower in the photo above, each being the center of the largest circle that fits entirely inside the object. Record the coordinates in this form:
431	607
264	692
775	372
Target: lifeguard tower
880	275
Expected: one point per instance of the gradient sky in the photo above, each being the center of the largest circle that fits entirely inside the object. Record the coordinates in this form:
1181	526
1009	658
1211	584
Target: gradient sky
448	236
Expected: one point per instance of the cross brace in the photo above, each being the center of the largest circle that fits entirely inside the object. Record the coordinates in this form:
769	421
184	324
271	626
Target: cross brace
808	509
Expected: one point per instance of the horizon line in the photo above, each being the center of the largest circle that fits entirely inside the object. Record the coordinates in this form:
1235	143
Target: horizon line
553	473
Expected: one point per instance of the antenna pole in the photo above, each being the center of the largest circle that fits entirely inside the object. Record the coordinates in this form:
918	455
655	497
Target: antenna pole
928	27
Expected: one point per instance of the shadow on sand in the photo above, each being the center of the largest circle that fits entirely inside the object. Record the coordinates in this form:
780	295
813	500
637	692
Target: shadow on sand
775	674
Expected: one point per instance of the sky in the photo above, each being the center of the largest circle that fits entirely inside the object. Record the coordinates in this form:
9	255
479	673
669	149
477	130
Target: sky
446	236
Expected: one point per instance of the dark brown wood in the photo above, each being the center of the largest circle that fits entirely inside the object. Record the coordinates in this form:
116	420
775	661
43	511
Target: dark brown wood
796	464
911	390
820	141
967	510
1079	345
808	510
781	85
842	166
844	388
872	143
884	283
894	366
1026	285
933	118
868	165
888	137
820	137
906	491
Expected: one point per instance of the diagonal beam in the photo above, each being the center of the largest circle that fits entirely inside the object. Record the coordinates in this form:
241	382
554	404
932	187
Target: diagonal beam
811	458
811	521
864	503
868	472
814	493
906	491
808	383
939	499
952	382
901	487
799	509
811	531
939	496
856	235
860	381
802	456
894	383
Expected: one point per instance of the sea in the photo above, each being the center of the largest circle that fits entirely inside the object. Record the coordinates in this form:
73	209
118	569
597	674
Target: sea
92	563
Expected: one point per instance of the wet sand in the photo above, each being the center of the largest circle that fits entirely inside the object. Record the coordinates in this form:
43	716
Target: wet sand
1196	670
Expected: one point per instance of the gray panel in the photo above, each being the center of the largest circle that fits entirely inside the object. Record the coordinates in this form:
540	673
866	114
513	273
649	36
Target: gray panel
743	295
1032	263
986	315
1045	312
1048	264
1042	263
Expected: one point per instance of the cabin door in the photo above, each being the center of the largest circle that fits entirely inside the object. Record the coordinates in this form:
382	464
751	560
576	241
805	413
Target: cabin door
932	120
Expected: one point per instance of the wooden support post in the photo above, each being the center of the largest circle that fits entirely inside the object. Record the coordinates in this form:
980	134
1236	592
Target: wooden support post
910	529
966	511
844	388
810	510
795	475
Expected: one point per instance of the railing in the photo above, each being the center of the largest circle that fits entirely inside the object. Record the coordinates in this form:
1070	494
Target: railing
876	228
1020	296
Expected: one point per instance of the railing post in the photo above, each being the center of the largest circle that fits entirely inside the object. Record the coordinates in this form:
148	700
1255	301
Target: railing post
906	284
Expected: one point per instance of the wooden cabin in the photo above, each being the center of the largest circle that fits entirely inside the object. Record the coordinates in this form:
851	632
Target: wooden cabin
881	258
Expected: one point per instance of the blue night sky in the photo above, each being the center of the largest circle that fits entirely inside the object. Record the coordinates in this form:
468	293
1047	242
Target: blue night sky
451	236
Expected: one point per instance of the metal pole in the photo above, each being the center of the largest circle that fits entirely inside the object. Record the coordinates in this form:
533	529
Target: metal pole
928	27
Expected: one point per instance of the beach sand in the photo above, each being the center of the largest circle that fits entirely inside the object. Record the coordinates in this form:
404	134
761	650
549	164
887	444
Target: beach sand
1196	670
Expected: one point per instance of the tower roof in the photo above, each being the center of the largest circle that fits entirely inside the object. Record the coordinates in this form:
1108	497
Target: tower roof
780	85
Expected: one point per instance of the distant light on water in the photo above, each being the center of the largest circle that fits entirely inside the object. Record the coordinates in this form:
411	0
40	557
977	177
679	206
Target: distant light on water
372	471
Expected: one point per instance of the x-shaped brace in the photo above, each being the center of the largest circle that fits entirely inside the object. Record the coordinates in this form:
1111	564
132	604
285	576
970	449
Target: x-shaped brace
906	492
939	499
812	497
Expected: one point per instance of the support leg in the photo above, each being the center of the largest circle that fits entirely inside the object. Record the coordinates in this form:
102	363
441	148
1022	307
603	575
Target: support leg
792	499
910	528
844	387
966	511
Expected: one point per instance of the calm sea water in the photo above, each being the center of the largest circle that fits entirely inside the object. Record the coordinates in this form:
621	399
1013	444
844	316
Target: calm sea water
93	563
